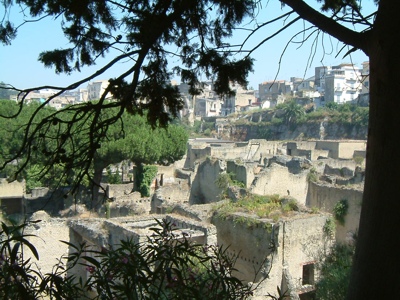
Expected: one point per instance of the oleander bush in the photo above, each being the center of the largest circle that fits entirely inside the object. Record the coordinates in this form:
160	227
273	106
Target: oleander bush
167	266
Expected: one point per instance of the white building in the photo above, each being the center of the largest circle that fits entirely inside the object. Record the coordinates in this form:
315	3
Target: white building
208	103
343	84
207	107
96	89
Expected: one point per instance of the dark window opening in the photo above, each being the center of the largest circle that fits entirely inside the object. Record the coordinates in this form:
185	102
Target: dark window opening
308	274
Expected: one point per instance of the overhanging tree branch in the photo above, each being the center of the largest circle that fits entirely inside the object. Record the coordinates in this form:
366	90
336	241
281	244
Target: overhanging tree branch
329	25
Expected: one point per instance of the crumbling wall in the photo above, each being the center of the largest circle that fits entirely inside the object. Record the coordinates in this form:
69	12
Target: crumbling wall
251	244
335	163
277	179
196	153
11	189
331	146
46	238
325	197
243	172
229	153
117	190
347	149
252	150
272	249
305	145
128	205
170	194
168	173
53	202
204	189
208	230
303	242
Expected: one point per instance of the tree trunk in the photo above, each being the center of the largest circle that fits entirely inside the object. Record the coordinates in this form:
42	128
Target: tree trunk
376	268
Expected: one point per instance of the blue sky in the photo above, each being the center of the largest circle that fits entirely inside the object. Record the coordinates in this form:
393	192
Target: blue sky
19	65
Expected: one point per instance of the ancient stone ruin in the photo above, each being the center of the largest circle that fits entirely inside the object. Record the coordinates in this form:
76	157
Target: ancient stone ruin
282	251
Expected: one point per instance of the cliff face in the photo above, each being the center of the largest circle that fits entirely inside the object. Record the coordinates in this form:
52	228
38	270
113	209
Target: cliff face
322	130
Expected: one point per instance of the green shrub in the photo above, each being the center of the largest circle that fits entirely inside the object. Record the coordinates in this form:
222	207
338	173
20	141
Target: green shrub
358	160
277	121
113	178
329	227
264	133
225	180
314	210
162	267
312	175
207	132
146	175
335	273
340	210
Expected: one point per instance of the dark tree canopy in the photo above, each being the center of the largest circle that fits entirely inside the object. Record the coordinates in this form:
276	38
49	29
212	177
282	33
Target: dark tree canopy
140	30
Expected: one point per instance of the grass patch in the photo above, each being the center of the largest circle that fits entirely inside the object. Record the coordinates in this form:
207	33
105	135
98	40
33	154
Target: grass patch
312	175
257	206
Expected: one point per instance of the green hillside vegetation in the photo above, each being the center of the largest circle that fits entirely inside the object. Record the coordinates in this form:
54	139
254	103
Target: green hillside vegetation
295	114
130	138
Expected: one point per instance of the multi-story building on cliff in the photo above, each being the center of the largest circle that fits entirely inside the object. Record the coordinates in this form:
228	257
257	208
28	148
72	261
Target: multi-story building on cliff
96	89
340	84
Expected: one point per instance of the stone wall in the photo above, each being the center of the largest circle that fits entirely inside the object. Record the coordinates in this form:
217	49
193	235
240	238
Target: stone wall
347	149
47	236
274	249
335	164
259	179
243	172
11	189
252	150
204	190
333	149
128	205
250	243
303	242
325	197
331	146
305	149
341	149
176	193
277	179
195	153
117	190
12	196
209	232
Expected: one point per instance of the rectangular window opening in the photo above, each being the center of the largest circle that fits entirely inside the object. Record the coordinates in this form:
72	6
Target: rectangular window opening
308	274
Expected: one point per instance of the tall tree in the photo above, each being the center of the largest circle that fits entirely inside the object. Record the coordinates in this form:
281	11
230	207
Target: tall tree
141	32
376	271
137	141
292	111
149	25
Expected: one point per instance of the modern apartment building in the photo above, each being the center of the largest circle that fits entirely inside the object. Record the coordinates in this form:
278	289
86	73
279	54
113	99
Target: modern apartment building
342	84
96	88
